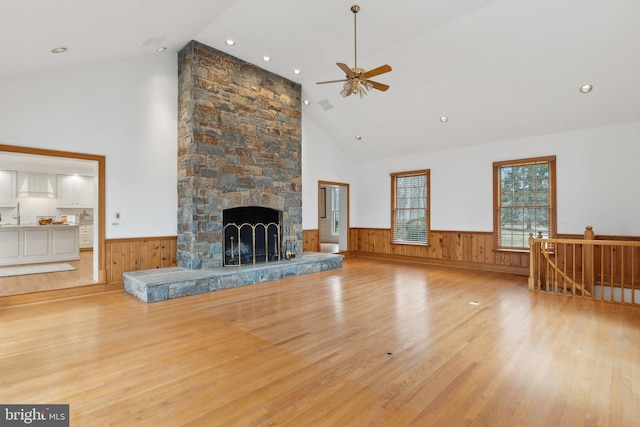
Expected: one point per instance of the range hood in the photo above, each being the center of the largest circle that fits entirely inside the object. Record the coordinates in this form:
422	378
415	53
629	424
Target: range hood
33	184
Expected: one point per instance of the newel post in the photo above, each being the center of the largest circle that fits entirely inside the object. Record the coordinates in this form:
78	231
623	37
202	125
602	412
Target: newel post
588	258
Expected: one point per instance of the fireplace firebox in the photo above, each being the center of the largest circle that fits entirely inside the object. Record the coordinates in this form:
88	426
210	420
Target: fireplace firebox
252	235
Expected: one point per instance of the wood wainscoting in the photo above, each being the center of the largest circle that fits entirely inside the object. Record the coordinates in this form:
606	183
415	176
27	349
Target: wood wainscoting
142	253
470	249
311	240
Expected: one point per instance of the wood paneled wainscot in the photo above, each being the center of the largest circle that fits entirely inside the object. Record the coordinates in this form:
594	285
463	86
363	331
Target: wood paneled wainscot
457	248
311	240
133	254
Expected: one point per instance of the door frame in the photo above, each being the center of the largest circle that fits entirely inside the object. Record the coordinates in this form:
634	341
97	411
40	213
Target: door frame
100	211
342	185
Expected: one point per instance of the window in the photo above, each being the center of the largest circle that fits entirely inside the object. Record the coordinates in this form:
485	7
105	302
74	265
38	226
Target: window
335	197
410	207
524	201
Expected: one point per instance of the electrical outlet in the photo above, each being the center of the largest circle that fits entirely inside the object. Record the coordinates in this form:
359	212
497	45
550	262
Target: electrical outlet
136	264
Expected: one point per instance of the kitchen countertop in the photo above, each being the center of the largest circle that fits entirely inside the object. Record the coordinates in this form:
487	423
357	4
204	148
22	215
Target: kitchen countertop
36	225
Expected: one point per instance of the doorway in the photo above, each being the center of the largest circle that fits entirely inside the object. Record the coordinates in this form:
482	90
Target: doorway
333	217
90	269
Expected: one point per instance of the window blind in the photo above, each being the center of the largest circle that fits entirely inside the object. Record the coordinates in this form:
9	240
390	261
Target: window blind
410	207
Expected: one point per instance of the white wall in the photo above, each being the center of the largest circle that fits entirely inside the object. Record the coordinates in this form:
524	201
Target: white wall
126	111
597	181
322	160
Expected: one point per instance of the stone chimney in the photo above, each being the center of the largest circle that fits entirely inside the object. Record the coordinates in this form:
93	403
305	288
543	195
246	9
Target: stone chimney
239	145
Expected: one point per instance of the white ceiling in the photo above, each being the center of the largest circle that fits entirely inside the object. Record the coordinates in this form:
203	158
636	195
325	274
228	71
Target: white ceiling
499	69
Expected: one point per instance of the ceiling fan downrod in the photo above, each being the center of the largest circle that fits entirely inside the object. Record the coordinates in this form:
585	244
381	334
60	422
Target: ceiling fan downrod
355	9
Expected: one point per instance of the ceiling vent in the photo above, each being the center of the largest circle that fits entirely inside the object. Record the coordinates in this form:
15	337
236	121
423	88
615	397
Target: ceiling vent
153	41
325	104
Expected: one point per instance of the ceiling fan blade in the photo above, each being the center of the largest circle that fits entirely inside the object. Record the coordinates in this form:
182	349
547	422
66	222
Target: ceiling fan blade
331	81
379	86
377	71
346	69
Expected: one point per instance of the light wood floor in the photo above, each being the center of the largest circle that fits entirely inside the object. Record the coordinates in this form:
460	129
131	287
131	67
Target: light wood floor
374	343
16	285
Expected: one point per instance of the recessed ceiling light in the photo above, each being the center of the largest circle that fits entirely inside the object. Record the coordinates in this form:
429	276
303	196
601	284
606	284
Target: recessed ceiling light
306	102
161	49
444	119
230	42
59	50
296	71
586	88
266	58
358	137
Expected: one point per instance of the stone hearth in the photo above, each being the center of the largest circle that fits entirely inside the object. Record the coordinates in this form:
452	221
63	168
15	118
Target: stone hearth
166	283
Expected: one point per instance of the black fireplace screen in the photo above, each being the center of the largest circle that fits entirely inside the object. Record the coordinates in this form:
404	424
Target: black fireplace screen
251	235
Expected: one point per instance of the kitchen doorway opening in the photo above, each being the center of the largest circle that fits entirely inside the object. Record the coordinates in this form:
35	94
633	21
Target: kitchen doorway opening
90	268
333	217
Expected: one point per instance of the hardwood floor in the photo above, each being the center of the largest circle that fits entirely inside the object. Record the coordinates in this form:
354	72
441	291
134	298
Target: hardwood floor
16	285
374	343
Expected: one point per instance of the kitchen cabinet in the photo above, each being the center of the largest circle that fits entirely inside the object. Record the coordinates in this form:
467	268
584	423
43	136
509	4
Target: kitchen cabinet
33	184
75	191
86	237
8	189
27	244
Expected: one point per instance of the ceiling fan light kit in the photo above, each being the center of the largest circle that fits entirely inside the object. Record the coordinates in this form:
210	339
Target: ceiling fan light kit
356	80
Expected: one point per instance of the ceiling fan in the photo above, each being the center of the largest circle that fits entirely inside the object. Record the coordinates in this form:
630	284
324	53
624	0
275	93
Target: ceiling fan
356	79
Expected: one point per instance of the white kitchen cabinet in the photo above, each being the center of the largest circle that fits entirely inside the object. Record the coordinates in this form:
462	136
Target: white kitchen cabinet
8	189
75	191
86	237
29	244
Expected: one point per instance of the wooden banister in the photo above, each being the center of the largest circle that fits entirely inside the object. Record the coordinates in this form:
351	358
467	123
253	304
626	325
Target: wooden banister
599	269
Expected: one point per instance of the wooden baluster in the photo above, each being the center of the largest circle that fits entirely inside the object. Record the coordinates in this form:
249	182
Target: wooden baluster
533	263
587	265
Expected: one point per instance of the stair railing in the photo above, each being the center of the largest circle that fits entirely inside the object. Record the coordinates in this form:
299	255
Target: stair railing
607	270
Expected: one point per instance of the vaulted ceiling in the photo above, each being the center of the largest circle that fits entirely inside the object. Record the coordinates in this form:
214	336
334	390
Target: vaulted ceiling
498	69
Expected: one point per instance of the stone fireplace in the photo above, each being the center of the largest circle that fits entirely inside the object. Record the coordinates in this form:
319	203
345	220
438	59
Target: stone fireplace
239	145
239	161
